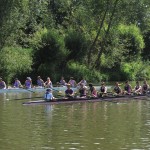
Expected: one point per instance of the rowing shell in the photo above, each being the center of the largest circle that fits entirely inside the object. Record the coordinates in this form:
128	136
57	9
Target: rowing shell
79	100
36	89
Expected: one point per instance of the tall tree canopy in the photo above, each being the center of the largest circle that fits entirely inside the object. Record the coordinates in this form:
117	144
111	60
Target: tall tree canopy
103	36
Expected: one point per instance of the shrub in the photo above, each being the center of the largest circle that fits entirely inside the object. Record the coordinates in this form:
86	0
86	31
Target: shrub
14	61
78	71
136	70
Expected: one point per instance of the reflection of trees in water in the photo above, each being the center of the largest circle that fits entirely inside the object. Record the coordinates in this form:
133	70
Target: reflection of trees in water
48	113
22	95
3	98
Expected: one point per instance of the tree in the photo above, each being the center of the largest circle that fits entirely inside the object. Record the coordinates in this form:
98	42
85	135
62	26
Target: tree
14	61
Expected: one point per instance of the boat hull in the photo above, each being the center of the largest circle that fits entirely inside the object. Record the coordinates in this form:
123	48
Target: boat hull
83	100
33	90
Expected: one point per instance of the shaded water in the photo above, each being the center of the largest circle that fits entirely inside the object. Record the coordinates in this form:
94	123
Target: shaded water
79	126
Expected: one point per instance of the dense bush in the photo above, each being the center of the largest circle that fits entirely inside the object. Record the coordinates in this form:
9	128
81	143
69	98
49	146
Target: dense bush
49	52
77	44
79	71
135	70
14	61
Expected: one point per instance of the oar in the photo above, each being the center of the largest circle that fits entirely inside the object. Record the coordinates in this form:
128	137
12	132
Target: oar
30	90
59	92
55	90
27	89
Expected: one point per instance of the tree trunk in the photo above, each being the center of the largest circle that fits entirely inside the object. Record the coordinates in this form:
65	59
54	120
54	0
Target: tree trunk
103	43
98	33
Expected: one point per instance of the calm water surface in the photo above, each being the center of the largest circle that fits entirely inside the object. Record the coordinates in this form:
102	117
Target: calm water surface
81	126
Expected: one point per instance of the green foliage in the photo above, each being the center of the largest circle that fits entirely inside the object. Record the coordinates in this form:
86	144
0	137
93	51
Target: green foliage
107	35
132	31
133	41
78	71
49	70
49	50
76	43
136	70
14	61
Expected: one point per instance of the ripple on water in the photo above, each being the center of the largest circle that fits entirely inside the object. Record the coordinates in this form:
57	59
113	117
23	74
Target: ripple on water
75	143
47	148
145	139
137	149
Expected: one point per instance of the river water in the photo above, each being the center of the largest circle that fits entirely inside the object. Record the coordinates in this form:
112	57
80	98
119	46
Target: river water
124	125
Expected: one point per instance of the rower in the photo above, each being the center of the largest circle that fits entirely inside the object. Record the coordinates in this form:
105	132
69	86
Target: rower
28	83
127	88
93	92
2	84
40	82
62	82
103	90
48	83
145	87
82	90
17	83
72	82
83	81
69	92
48	95
117	89
137	89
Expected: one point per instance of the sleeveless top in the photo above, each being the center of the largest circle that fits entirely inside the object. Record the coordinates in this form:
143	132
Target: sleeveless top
49	84
72	83
82	92
2	85
127	88
145	87
117	90
40	82
137	87
28	84
93	91
17	84
102	89
62	82
83	82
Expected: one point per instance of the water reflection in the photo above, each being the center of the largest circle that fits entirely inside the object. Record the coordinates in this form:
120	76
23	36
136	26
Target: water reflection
48	113
83	126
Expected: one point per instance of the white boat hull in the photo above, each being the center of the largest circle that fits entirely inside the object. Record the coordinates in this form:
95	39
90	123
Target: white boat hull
33	90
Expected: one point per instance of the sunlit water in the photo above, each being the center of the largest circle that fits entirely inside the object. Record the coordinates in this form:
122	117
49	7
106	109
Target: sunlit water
81	126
